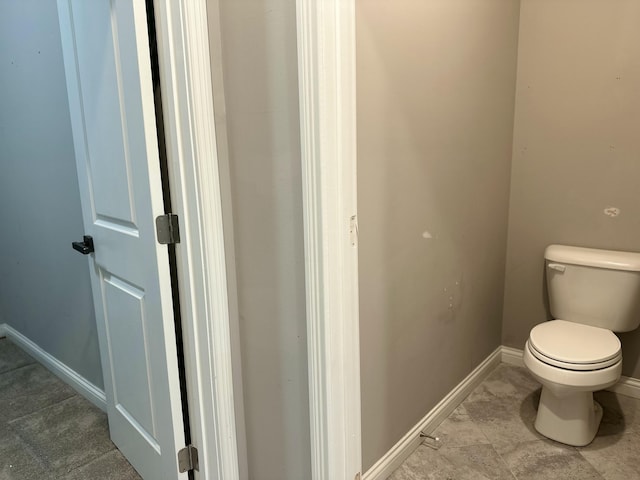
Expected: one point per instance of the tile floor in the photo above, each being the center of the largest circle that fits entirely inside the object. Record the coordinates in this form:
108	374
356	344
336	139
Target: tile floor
491	436
48	431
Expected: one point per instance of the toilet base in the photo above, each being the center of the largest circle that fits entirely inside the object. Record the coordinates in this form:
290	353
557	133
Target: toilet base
571	418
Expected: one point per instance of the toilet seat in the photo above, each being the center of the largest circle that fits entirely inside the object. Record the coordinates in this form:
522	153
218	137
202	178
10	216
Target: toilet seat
574	346
578	367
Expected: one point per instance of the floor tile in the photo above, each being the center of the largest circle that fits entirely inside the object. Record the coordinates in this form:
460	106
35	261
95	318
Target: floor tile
505	382
17	462
425	464
506	421
12	357
502	411
28	389
471	462
47	430
545	459
66	435
111	466
616	457
459	430
481	460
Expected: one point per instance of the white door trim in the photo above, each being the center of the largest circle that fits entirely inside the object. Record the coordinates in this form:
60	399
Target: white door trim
187	97
326	68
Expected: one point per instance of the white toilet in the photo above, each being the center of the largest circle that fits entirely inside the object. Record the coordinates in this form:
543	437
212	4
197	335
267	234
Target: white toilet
592	293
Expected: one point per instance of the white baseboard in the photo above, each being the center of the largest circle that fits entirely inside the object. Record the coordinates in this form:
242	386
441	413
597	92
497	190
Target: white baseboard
401	450
83	386
512	356
626	385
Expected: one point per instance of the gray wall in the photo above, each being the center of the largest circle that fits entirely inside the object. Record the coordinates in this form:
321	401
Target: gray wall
576	147
435	86
44	286
259	65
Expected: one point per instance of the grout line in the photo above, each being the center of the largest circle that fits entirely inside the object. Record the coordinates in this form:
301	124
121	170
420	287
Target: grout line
60	473
513	474
74	394
22	442
14	369
592	465
41	458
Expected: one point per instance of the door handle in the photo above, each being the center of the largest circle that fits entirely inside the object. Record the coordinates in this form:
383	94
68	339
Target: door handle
85	247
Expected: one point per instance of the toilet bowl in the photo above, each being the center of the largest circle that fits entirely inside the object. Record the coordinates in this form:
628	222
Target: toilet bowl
592	293
571	361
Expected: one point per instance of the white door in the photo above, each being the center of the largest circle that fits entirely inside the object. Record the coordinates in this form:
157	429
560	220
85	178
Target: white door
107	64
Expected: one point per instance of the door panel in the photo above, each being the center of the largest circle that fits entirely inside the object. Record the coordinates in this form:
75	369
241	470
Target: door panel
105	46
125	319
105	114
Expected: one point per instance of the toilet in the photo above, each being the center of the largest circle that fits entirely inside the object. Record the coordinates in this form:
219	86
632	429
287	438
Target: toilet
592	293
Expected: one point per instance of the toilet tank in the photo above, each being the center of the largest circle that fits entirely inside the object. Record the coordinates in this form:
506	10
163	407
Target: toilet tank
594	287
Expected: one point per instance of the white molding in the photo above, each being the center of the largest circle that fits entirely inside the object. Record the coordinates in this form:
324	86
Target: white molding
512	356
407	444
220	112
326	72
80	384
626	385
185	70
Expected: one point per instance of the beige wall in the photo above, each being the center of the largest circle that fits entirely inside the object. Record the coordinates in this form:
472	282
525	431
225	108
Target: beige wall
435	90
436	82
259	67
576	147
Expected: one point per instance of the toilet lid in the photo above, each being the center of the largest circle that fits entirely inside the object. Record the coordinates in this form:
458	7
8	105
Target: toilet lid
574	343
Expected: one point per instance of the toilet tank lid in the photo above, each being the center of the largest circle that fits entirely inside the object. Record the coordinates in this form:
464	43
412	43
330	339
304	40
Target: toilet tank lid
592	257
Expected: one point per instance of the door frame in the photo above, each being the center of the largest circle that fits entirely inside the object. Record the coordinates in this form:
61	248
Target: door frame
190	134
326	71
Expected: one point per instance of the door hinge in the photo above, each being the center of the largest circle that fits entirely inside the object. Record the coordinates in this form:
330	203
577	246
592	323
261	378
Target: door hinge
188	459
168	229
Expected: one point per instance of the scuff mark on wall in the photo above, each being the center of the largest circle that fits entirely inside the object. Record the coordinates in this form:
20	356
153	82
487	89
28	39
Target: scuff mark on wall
612	211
